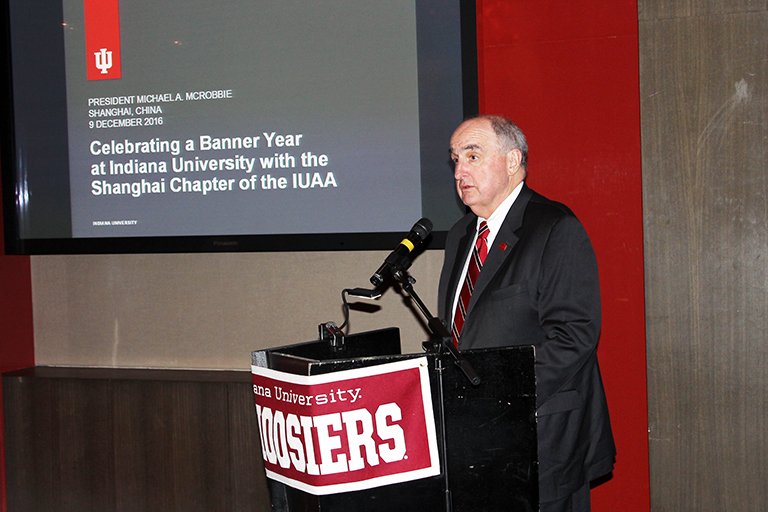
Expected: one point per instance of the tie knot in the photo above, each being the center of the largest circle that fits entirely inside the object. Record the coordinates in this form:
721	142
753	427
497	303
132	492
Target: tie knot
482	244
483	231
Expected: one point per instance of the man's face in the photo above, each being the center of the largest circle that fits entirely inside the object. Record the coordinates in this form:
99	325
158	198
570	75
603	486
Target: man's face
484	176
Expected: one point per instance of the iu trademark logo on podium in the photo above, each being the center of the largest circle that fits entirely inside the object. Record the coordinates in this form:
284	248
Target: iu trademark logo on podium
102	39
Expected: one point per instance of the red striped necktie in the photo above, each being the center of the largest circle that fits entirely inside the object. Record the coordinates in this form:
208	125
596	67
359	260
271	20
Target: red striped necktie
473	271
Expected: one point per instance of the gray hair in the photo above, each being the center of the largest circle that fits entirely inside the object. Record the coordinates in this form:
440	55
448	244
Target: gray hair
509	135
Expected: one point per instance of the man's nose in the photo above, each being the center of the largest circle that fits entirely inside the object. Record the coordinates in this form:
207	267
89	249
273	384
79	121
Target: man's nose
459	170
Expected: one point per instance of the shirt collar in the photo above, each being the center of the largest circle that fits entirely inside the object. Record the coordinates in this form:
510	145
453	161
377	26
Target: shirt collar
499	214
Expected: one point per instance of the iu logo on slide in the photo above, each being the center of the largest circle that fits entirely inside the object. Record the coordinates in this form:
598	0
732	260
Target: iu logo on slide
103	60
102	39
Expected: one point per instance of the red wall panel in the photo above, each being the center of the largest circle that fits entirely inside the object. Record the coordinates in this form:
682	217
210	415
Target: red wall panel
17	348
567	74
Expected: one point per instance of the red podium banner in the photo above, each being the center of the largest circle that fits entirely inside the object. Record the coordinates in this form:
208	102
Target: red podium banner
348	430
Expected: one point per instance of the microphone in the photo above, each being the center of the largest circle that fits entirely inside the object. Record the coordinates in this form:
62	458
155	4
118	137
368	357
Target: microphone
418	233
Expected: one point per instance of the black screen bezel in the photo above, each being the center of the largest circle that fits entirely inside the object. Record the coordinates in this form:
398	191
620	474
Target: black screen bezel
13	191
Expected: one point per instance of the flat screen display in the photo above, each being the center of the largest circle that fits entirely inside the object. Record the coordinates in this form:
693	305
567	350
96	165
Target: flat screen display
231	125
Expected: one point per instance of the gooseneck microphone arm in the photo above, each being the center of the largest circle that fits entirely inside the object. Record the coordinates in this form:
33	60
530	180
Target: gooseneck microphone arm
441	337
396	265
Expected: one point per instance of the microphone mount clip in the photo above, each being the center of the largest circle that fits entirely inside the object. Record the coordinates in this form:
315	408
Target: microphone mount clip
332	334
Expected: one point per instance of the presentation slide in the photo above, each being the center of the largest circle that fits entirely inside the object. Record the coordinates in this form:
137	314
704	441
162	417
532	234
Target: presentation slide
191	117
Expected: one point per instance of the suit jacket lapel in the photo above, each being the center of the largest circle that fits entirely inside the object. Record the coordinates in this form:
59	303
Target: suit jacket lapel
461	254
507	238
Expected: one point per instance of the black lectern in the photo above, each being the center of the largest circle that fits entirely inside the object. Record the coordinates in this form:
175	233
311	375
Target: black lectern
487	433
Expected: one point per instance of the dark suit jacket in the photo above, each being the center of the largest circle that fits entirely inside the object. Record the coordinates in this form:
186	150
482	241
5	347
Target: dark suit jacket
539	286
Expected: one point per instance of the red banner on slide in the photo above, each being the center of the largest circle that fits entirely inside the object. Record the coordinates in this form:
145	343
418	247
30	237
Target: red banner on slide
102	39
348	430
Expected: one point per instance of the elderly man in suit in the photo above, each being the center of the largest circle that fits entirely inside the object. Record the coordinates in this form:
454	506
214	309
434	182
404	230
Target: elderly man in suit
520	270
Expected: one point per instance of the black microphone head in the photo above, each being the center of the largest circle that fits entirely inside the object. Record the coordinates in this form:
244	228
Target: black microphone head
422	228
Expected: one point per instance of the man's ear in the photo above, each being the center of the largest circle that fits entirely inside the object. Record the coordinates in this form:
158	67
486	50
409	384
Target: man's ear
514	160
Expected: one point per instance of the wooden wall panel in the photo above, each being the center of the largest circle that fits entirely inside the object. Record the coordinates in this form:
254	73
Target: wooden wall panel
704	104
247	489
659	9
132	441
